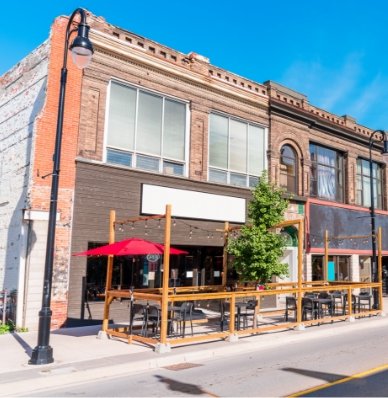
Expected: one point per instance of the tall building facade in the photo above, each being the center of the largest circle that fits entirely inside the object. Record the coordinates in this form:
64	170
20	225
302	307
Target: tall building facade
146	125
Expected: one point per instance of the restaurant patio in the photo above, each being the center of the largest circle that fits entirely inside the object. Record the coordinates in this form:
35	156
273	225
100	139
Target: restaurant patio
171	316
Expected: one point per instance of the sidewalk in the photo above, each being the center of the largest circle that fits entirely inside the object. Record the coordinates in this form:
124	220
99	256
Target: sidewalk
80	356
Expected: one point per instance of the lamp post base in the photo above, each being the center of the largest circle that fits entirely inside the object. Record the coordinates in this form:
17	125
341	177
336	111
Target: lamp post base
41	355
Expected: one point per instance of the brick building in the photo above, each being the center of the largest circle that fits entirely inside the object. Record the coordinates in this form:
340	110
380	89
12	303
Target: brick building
145	124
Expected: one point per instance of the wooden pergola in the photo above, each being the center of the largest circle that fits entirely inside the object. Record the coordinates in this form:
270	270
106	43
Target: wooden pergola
165	295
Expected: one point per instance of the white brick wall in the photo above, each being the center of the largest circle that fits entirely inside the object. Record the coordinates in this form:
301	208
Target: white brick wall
22	96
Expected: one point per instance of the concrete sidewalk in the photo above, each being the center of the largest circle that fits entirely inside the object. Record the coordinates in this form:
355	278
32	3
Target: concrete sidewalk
80	356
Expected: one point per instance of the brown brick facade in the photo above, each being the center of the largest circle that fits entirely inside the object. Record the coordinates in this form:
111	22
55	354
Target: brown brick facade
126	57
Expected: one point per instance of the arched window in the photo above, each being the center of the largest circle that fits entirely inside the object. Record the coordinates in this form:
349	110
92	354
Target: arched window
288	169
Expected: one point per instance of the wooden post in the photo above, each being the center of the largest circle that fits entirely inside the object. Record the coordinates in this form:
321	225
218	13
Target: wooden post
166	274
225	255
326	262
109	269
300	270
232	313
380	267
350	301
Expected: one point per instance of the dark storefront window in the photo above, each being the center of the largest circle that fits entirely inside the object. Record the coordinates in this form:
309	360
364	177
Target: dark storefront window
326	173
202	266
338	268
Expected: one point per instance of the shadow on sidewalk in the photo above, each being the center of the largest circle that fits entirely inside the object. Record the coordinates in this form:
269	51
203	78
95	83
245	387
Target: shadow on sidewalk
81	331
27	348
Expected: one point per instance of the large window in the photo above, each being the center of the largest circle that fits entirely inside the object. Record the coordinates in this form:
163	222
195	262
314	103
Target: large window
326	176
236	151
338	268
146	130
363	197
288	169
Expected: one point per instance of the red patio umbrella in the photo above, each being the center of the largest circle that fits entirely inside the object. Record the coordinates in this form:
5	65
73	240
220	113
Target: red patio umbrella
129	247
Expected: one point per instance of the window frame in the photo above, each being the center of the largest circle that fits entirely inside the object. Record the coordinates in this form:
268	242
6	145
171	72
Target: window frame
295	178
377	180
338	169
163	161
251	179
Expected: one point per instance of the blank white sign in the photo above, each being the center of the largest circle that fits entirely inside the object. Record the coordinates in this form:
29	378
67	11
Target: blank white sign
192	204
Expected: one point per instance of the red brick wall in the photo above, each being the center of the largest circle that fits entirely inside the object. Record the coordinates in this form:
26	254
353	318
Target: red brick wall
43	164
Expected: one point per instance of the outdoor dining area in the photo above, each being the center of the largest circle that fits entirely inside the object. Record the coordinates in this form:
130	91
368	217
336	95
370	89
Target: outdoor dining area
171	316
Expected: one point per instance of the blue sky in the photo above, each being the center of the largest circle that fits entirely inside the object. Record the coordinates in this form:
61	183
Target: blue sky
333	51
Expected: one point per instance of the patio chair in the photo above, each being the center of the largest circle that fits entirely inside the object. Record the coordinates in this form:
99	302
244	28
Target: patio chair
346	305
185	314
138	313
152	319
338	302
308	307
364	301
291	306
241	315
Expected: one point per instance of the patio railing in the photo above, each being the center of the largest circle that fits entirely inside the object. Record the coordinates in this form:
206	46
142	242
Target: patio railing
220	314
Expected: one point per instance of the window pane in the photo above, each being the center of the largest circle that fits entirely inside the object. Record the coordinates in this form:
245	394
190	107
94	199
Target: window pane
253	181
218	141
256	150
238	145
174	130
218	176
173	168
326	182
326	156
147	163
119	157
239	180
149	127
121	119
366	191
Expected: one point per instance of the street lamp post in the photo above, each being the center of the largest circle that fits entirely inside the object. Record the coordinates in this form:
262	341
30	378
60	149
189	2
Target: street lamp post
382	136
82	51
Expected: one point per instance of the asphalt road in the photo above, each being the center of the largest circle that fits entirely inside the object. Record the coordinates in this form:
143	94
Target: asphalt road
268	372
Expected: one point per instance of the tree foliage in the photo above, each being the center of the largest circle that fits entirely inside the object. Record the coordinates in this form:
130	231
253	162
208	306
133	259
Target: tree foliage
257	249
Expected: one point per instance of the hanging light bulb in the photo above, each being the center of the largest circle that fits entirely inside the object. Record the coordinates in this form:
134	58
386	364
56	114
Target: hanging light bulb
133	226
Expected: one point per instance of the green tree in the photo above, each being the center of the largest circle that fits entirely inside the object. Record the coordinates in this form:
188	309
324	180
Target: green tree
257	249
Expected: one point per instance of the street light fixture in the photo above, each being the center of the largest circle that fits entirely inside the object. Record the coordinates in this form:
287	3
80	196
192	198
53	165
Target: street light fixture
380	135
82	51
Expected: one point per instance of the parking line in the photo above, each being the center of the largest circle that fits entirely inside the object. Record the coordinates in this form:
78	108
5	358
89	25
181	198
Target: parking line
340	381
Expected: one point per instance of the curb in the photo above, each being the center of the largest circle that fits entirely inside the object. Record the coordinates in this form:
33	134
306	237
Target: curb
44	378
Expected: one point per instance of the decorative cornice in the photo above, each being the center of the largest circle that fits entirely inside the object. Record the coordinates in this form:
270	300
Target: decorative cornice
106	44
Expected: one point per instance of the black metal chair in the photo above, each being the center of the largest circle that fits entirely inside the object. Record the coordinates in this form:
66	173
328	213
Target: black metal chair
338	302
291	305
185	314
152	319
309	307
241	315
138	313
345	307
364	301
